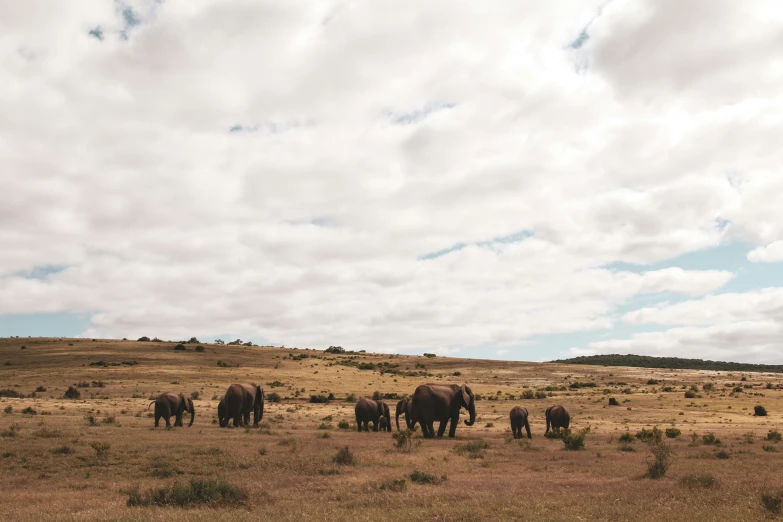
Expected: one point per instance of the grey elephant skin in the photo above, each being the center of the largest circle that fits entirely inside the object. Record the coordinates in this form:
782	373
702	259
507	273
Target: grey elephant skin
239	401
405	406
171	404
518	417
369	410
557	417
442	403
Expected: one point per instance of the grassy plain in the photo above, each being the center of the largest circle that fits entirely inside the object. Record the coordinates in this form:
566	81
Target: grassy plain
50	468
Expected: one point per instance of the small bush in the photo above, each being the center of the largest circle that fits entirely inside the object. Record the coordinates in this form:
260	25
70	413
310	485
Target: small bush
574	441
111	419
653	382
273	397
473	449
319	399
101	448
769	448
421	477
40	389
12	431
702	480
772	500
672	433
144	339
540	395
196	492
196	395
72	393
722	455
759	411
9	410
46	433
456	374
613	402
662	457
403	440
653	435
351	397
62	450
690	394
527	395
344	457
377	396
222	364
774	436
29	411
708	387
344	425
626	437
199	348
180	347
710	439
395	485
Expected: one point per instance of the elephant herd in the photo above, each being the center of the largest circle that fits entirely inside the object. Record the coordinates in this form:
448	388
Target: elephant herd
428	403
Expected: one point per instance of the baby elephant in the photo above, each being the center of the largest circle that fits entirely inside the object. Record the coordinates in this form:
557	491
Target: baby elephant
383	425
518	417
171	404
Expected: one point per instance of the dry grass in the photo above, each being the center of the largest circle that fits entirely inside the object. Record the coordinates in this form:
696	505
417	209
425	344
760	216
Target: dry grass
55	465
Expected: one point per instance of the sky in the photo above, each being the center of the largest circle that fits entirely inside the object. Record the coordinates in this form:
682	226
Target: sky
517	180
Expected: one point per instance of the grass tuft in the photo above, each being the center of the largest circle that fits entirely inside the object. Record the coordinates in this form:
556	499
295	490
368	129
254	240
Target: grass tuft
194	493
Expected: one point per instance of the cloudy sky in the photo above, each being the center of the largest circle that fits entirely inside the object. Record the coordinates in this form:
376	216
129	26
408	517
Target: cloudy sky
517	180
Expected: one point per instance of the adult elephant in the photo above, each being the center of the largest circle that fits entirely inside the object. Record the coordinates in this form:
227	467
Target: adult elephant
518	418
557	417
405	406
239	401
171	404
369	410
442	402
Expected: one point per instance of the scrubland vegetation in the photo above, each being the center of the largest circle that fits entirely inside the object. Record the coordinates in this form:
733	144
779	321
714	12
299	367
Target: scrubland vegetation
77	440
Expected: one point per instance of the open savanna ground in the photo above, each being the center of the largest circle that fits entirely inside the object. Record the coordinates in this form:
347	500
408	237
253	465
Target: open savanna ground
80	459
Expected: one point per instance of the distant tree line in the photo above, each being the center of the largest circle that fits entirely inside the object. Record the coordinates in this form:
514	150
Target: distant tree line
646	361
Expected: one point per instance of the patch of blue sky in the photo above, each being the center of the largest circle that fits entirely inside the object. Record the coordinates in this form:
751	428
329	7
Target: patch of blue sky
417	115
499	240
54	324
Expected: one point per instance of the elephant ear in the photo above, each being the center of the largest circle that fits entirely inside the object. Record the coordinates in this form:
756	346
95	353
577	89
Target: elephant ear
465	395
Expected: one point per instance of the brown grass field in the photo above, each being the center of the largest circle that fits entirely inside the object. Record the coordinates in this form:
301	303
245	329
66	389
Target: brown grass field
286	465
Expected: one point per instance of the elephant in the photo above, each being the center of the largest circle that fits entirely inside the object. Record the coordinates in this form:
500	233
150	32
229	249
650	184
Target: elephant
369	410
239	401
168	404
404	406
442	402
383	425
518	418
557	417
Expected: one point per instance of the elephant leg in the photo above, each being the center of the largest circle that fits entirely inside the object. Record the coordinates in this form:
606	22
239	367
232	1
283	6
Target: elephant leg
453	426
157	419
247	418
527	429
442	427
168	424
237	420
431	429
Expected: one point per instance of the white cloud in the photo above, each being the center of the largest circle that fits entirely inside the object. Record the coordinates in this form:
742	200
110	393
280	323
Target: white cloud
772	253
308	227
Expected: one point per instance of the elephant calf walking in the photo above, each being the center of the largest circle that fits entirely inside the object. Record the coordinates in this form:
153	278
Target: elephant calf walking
168	404
518	418
557	417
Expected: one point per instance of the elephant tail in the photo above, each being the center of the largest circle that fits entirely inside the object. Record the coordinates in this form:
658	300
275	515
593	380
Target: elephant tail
150	404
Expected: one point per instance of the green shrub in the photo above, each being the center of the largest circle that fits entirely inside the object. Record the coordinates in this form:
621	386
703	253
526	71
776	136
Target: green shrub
180	347
318	399
540	395
196	492
344	457
421	477
351	397
395	485
626	437
473	449
653	435
672	433
576	385
662	457
40	389
708	387
199	348
377	396
759	411
9	410
652	381
528	395
404	440
574	440
29	411
774	435
769	448
101	448
273	397
702	480
72	393
144	338
344	425
690	394
456	374
62	450
722	455
222	364
772	500
710	439
12	431
613	402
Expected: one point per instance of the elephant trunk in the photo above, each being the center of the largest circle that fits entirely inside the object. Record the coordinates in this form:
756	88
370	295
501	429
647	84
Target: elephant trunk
472	410
397	416
192	415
